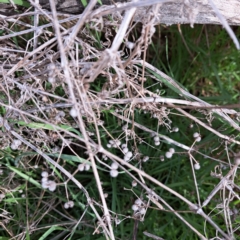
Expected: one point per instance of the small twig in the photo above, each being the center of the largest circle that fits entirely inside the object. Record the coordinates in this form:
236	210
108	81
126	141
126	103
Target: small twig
152	236
55	164
219	186
123	29
126	6
164	103
192	206
183	92
36	22
167	139
208	127
82	19
31	28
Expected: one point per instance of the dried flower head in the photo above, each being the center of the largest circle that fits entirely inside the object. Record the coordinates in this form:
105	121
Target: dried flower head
168	154
114	173
44	174
73	112
197	166
114	165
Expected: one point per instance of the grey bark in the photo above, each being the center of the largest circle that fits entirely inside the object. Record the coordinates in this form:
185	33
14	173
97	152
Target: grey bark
173	12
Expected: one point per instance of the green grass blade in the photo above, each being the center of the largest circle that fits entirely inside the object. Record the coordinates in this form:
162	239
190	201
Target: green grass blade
49	231
17	2
47	126
25	176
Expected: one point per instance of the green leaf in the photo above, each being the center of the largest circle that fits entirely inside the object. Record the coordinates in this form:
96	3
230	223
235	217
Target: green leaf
17	2
49	231
84	3
72	158
25	176
48	127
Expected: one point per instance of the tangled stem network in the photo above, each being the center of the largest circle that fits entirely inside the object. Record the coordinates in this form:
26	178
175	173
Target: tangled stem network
86	117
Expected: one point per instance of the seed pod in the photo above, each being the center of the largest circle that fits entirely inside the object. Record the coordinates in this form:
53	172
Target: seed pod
114	165
114	173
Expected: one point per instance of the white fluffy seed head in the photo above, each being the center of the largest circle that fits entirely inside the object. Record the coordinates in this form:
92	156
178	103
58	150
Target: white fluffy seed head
114	165
168	154
152	30
105	158
129	154
118	142
171	150
13	146
2	195
125	127
125	150
237	161
126	158
105	195
124	145
162	158
52	186
81	167
142	211
82	112
114	173
109	145
51	80
45	185
134	207
44	179
145	158
175	129
198	139
197	166
66	205
73	112
156	139
44	174
130	45
196	134
157	143
87	167
17	142
138	202
134	183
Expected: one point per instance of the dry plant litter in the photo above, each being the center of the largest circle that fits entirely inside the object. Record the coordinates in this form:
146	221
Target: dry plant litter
84	121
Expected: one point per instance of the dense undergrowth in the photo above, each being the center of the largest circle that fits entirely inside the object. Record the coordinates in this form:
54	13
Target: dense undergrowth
96	142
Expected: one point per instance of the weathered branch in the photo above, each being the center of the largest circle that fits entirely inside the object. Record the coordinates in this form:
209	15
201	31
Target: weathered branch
172	12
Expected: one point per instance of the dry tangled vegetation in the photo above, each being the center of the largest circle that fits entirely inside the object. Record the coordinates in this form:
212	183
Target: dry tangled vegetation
91	144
